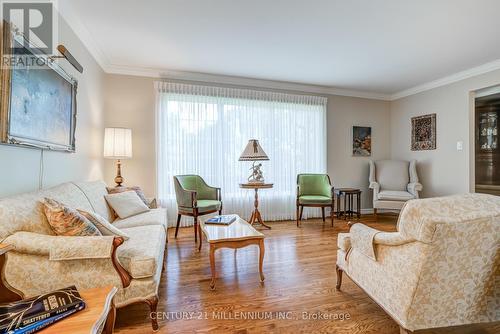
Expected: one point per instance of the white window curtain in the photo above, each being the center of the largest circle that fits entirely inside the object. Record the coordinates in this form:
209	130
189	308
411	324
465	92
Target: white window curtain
203	130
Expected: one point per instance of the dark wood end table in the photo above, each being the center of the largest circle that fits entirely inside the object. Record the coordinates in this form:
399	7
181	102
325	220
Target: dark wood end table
348	194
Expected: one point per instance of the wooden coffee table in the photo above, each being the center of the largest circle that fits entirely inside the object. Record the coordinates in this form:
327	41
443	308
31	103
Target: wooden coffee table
239	234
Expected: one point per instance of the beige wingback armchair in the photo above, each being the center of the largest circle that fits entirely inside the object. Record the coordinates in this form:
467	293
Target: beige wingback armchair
439	269
393	182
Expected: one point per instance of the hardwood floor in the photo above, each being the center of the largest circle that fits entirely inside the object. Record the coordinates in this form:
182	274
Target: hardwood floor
299	267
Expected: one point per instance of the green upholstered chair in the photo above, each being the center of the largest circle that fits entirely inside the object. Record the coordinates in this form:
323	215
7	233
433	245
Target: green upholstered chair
314	190
195	198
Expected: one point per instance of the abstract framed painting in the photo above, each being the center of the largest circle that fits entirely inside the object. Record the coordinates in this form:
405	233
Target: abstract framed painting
361	141
423	132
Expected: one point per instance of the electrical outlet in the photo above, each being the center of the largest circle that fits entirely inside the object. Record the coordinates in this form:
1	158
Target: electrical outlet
460	145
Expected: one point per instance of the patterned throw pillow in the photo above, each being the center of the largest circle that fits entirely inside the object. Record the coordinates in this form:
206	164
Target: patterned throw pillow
137	190
103	225
66	221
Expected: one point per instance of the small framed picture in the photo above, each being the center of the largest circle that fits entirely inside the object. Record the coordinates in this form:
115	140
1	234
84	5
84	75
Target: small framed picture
361	141
423	132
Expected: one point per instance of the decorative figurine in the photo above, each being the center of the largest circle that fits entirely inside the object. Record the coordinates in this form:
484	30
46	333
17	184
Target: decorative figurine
256	176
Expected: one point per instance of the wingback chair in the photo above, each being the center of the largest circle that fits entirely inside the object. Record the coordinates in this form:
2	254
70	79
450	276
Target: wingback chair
439	269
195	198
393	182
314	190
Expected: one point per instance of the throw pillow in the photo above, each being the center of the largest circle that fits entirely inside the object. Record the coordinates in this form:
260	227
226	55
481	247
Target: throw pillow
67	221
138	191
103	225
126	204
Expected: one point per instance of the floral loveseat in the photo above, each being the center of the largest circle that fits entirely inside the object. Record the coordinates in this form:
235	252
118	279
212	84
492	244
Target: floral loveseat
41	261
441	268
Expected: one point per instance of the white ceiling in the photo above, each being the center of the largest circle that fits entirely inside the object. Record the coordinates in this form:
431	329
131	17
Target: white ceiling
372	46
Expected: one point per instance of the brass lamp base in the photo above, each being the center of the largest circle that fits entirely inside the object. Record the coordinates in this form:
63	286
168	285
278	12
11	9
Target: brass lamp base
118	178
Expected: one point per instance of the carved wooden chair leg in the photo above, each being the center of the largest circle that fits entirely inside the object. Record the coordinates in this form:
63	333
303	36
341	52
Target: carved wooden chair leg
177	226
301	211
195	229
298	219
332	213
339	277
153	304
323	213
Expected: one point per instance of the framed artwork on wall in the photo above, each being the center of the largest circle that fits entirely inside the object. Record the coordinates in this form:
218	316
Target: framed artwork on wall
361	141
37	103
423	132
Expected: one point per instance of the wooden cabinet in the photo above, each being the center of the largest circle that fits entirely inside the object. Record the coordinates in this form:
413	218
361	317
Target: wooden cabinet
487	145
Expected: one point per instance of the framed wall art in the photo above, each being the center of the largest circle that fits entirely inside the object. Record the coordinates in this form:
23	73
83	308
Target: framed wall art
361	141
423	132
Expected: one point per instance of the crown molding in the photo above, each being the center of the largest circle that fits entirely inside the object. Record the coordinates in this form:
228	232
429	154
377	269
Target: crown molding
84	35
68	14
472	72
240	81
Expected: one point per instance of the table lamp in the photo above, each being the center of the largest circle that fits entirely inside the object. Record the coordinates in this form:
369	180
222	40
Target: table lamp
118	145
254	152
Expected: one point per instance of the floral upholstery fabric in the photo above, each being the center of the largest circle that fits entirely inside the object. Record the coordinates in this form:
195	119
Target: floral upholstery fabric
152	217
25	212
344	241
361	237
140	256
95	191
41	262
420	217
442	267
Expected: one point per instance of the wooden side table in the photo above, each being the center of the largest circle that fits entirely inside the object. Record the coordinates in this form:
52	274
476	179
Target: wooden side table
97	317
348	194
256	217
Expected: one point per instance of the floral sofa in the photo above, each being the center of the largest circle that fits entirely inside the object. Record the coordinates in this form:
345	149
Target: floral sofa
41	261
441	268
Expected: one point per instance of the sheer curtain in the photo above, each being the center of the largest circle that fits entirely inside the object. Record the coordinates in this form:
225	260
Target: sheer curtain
203	130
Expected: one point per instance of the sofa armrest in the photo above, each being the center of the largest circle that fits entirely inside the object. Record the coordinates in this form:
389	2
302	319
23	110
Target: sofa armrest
391	239
66	248
362	239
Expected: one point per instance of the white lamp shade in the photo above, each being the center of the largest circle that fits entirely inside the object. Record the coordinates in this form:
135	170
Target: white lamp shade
117	143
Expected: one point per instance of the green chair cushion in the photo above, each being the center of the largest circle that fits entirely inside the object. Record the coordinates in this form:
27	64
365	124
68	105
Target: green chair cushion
315	199
205	205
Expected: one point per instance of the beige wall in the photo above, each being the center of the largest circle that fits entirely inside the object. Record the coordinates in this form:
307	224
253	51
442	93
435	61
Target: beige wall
445	170
19	167
129	102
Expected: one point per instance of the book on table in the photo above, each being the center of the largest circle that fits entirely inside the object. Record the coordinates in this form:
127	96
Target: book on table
222	220
31	315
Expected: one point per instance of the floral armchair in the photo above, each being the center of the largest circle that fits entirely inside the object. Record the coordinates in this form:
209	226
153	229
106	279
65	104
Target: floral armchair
440	268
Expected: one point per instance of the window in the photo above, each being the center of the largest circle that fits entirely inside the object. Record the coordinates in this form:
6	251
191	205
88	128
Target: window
203	130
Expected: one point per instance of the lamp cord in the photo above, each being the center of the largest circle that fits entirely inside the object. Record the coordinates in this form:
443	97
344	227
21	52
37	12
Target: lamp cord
40	177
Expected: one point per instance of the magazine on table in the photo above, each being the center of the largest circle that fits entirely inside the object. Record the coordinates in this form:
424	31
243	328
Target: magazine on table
222	220
32	314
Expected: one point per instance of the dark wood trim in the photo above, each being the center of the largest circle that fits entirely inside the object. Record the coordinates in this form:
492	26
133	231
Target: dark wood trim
153	305
7	292
124	275
339	276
